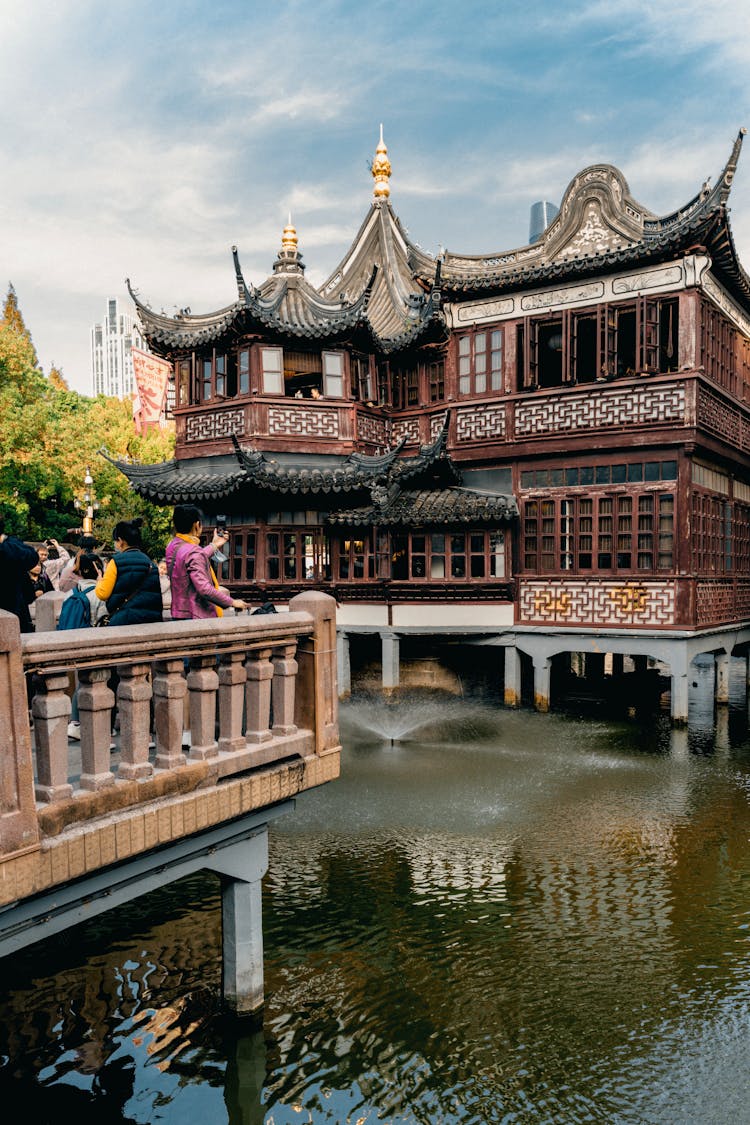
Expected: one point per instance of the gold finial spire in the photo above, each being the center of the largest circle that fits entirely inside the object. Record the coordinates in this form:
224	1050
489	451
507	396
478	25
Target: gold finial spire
289	238
381	170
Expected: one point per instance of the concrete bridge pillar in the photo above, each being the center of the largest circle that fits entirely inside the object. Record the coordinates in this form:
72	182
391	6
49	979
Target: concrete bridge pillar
344	666
512	692
678	667
618	661
722	677
390	649
542	666
242	868
594	665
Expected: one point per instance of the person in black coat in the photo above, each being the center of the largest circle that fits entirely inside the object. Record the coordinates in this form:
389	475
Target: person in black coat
16	560
130	585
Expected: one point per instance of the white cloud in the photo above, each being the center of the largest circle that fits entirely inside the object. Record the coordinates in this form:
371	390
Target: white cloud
146	140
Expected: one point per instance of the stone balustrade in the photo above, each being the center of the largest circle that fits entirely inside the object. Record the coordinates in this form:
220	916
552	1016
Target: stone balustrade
251	689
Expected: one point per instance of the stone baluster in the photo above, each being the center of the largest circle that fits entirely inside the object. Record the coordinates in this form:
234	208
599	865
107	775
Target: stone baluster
51	711
282	689
203	683
170	689
95	702
19	827
316	702
133	703
259	671
232	678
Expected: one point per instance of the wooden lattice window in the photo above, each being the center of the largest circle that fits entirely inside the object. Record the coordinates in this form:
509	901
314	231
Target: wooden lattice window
587	534
718	354
480	361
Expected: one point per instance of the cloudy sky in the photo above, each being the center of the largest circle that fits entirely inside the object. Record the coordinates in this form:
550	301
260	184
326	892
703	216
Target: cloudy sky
143	140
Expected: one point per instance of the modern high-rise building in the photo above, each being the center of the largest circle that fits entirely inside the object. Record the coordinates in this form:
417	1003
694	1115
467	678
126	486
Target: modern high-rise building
111	343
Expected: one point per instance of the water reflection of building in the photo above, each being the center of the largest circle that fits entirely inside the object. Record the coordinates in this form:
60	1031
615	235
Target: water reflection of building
118	1000
500	446
458	870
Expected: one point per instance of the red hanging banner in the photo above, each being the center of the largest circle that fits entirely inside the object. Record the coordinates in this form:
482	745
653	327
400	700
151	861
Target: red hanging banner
151	379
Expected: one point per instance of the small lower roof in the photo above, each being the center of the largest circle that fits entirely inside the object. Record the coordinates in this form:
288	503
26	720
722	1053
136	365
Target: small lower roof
438	506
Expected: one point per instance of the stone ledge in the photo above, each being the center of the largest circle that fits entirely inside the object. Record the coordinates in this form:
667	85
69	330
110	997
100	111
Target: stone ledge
169	815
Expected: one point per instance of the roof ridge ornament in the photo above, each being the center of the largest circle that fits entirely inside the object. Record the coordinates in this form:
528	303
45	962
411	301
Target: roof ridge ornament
730	168
381	170
289	237
289	259
244	291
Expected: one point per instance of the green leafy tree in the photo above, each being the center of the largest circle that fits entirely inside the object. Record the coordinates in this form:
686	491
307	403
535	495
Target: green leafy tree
51	436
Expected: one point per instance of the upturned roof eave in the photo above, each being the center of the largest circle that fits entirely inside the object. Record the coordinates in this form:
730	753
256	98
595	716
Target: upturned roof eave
712	231
660	235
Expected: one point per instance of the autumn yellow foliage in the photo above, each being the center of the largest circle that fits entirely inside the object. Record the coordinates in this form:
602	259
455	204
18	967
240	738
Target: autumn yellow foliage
50	435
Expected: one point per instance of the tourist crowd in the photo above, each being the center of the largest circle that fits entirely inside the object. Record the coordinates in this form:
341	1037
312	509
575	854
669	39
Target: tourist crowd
130	588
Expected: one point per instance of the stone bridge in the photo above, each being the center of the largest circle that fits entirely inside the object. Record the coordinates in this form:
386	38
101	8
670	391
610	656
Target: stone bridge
83	828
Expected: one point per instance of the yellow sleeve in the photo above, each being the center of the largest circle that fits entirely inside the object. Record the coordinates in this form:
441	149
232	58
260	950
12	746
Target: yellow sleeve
106	583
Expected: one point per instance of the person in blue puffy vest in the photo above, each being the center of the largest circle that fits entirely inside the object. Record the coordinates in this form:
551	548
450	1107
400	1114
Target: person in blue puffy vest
130	585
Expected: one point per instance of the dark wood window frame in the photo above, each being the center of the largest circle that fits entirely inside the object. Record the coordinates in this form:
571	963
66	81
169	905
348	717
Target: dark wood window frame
277	554
582	345
599	533
480	353
449	555
363	378
718	351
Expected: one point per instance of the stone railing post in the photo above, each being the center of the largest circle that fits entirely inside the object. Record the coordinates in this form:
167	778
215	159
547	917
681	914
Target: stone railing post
51	711
232	678
95	702
47	611
283	689
170	690
316	697
19	828
203	683
134	706
259	671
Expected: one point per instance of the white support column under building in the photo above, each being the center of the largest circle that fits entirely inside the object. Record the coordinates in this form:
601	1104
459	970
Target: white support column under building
679	669
390	650
344	667
512	677
542	669
722	677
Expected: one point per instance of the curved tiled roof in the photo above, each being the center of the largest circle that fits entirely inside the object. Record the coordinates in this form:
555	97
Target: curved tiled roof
601	226
428	507
173	482
391	291
285	303
177	482
399	300
388	306
358	471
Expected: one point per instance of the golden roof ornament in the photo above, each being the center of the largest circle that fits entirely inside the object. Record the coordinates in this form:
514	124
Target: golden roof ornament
289	239
381	170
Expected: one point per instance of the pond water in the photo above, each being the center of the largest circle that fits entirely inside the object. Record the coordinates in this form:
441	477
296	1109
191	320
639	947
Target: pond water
493	916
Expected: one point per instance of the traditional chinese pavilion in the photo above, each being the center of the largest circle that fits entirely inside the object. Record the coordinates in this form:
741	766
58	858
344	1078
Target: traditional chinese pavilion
546	449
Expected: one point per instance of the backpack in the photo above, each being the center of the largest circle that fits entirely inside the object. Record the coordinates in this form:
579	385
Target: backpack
75	612
267	607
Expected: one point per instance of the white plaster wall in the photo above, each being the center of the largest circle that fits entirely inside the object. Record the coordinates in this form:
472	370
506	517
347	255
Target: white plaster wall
352	614
490	614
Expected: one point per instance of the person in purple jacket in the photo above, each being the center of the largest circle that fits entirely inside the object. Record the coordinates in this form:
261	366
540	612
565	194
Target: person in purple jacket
195	589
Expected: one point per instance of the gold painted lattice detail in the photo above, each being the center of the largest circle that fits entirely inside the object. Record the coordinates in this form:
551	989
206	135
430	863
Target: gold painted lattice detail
579	602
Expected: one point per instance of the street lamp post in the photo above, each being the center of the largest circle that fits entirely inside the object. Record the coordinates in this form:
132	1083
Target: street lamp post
88	504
